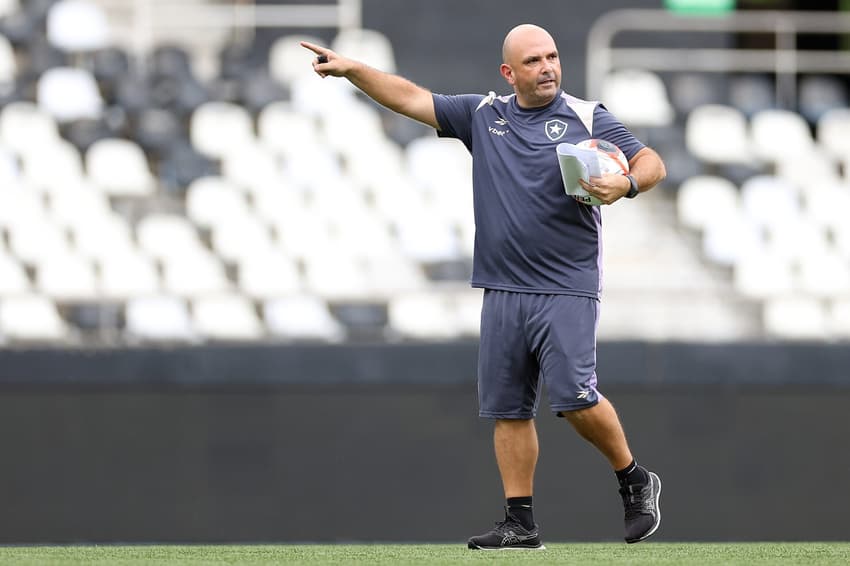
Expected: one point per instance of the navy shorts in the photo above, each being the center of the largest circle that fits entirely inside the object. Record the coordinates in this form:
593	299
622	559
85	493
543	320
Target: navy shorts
527	338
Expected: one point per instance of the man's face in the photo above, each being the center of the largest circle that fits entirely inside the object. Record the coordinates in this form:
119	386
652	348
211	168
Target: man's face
533	68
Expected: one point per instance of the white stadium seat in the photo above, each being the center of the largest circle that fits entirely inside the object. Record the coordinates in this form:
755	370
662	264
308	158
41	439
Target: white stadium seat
129	276
9	7
13	277
394	275
717	133
67	278
68	94
77	25
226	317
285	131
10	170
313	96
423	316
241	237
217	128
428	238
841	239
269	275
833	132
779	134
728	239
763	277
770	201
53	167
277	202
250	165
103	238
336	278
32	318
702	199
25	127
838	318
37	242
809	170
302	317
167	236
20	206
120	168
797	239
304	235
211	201
78	203
159	318
467	308
823	274
828	205
194	275
796	318
637	97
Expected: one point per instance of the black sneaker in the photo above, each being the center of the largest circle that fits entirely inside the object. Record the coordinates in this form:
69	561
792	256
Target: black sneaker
508	534
643	515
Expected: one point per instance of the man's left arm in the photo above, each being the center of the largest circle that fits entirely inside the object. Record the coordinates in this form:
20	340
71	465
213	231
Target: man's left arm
647	168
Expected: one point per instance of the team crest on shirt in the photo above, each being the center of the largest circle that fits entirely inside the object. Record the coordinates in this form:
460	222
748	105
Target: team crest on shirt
555	129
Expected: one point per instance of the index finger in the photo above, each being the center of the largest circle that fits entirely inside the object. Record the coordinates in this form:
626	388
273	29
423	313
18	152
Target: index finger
314	48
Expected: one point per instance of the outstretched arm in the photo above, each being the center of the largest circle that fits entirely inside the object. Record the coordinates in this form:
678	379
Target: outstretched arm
392	91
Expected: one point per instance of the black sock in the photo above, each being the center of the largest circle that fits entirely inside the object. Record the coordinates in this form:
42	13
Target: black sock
632	474
520	508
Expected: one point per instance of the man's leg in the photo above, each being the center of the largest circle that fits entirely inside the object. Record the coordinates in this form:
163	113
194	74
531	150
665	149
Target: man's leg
639	488
515	442
600	426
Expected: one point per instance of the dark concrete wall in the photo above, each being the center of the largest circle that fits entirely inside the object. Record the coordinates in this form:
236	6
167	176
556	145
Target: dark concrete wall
383	460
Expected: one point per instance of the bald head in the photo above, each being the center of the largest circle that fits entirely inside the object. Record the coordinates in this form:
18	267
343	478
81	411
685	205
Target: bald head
522	36
531	65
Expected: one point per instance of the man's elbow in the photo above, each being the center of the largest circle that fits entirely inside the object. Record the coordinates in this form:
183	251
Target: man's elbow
662	171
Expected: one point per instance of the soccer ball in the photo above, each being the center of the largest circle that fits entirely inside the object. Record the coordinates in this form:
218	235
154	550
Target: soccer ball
611	160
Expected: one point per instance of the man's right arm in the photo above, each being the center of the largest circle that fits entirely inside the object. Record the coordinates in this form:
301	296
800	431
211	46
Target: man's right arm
392	91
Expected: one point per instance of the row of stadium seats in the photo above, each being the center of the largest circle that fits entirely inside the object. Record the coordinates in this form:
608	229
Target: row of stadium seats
310	223
165	318
719	134
154	206
645	98
768	190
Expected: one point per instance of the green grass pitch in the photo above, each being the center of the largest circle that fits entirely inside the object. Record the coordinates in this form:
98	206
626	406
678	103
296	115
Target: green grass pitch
678	554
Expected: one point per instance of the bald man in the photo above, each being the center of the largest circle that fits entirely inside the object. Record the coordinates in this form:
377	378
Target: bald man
537	256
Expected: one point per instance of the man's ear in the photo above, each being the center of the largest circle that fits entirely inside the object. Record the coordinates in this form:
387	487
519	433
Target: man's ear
508	73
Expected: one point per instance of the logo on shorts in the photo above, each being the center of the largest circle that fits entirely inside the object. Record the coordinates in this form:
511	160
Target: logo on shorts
583	394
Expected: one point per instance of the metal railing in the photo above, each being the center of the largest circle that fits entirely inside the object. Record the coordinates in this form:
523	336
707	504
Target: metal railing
785	61
148	16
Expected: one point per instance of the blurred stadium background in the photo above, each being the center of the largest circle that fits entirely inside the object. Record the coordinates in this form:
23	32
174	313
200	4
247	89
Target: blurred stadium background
234	300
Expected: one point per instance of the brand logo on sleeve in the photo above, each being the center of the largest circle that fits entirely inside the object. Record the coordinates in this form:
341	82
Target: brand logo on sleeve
555	129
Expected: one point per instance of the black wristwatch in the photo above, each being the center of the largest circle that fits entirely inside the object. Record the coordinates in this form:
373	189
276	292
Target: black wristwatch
633	190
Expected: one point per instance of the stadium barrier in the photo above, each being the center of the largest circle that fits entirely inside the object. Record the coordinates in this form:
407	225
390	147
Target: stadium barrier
382	443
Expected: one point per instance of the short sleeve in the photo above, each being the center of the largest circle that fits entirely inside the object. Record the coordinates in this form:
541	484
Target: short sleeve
609	128
454	115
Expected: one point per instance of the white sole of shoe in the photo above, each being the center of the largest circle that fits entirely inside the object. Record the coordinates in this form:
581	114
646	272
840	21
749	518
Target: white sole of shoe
541	547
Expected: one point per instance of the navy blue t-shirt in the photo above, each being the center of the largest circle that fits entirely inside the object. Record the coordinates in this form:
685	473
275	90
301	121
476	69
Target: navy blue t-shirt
530	236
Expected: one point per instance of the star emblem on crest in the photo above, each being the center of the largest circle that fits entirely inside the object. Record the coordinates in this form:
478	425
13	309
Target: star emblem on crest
555	129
